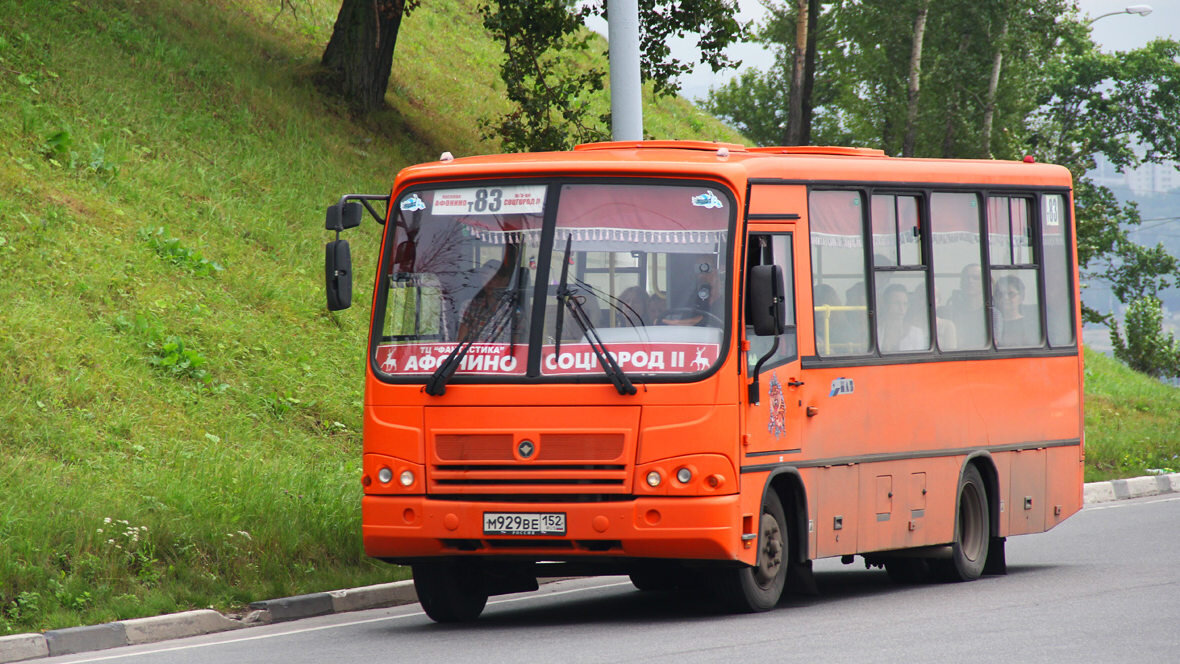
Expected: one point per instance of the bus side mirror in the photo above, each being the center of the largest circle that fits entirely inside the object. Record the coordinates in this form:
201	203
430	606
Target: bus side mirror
343	216
338	274
767	309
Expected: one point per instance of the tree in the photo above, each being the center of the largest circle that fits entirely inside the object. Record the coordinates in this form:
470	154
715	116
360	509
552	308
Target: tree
550	89
359	56
1146	349
915	77
1126	107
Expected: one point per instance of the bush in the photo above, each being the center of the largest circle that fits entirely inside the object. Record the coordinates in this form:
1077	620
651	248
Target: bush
1146	348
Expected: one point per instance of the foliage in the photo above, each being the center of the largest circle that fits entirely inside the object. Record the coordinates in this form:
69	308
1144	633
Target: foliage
1084	112
1146	348
549	88
1056	97
550	83
171	249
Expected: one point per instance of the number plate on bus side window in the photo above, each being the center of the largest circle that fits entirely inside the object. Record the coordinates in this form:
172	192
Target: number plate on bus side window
524	523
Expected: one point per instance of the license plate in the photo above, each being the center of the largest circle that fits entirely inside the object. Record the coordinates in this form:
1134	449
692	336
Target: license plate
524	523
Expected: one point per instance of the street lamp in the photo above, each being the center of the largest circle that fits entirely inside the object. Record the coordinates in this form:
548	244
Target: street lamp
1142	10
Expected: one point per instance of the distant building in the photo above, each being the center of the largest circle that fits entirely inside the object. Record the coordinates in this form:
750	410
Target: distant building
1145	180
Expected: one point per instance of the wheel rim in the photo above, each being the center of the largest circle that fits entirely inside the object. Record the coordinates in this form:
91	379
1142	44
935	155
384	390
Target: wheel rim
971	526
770	554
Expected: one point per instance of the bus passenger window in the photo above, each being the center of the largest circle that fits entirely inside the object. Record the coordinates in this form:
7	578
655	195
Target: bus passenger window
838	265
1016	315
903	319
961	319
1058	294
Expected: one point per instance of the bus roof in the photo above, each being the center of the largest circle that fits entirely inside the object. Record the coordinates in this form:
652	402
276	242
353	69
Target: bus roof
739	164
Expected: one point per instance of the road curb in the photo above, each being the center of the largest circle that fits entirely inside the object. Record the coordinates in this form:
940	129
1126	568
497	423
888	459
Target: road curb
73	640
1136	487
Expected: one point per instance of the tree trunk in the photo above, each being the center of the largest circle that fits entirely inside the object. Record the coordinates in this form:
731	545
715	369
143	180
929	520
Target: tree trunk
809	71
993	86
794	135
911	122
359	56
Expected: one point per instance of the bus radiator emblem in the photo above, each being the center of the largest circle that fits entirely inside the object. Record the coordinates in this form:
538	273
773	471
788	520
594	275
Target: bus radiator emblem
526	448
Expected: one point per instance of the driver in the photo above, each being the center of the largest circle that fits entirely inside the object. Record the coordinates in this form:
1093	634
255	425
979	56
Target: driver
704	307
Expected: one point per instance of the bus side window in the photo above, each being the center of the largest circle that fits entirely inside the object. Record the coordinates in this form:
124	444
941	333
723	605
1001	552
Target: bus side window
958	280
1016	318
774	249
899	274
838	274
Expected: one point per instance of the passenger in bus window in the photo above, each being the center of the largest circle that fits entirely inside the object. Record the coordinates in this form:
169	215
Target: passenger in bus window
1015	329
633	309
966	310
895	333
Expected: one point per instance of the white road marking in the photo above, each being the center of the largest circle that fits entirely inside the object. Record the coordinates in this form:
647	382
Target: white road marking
307	630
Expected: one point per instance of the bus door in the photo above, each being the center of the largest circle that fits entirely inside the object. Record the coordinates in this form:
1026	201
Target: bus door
774	415
774	408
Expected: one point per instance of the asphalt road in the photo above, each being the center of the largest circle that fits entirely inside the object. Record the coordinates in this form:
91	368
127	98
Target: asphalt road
1102	587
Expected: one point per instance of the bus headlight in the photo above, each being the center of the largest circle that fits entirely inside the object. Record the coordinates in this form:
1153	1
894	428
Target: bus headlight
683	475
406	478
385	475
654	479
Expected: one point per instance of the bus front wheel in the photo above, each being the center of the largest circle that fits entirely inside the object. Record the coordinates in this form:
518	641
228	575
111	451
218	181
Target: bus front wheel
450	592
972	531
758	588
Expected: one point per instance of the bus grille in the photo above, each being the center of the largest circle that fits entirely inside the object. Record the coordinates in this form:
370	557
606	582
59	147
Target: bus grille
562	463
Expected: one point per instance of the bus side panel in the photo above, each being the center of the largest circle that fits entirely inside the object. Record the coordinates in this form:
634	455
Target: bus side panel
1026	513
903	503
1063	482
837	495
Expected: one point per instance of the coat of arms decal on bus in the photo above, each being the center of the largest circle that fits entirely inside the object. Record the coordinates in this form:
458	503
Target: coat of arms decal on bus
777	422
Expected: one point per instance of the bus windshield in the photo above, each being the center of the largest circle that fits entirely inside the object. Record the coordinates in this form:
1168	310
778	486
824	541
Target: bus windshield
645	265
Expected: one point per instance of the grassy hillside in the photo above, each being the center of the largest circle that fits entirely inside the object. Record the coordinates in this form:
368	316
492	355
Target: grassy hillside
1132	422
179	415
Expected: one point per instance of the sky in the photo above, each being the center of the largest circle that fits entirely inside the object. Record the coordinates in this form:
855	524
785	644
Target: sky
1114	33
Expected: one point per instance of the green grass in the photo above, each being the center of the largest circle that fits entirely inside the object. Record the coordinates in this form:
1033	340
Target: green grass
179	416
1132	422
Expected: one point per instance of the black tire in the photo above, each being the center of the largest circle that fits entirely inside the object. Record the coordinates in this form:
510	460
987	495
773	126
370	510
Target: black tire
972	531
450	592
758	588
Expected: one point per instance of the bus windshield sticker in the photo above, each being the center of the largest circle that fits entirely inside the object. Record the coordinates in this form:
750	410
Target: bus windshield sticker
509	199
707	200
777	423
412	204
841	386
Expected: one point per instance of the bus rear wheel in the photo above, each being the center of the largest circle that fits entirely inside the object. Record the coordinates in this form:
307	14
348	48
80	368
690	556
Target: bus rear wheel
758	588
972	531
450	592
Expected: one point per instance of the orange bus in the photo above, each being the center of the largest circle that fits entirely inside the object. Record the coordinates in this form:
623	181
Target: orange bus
700	363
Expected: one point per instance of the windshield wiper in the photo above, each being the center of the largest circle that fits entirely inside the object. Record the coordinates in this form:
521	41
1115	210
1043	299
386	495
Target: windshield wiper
567	300
436	385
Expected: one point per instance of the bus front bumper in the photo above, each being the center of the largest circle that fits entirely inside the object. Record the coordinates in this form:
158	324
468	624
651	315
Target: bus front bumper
687	528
